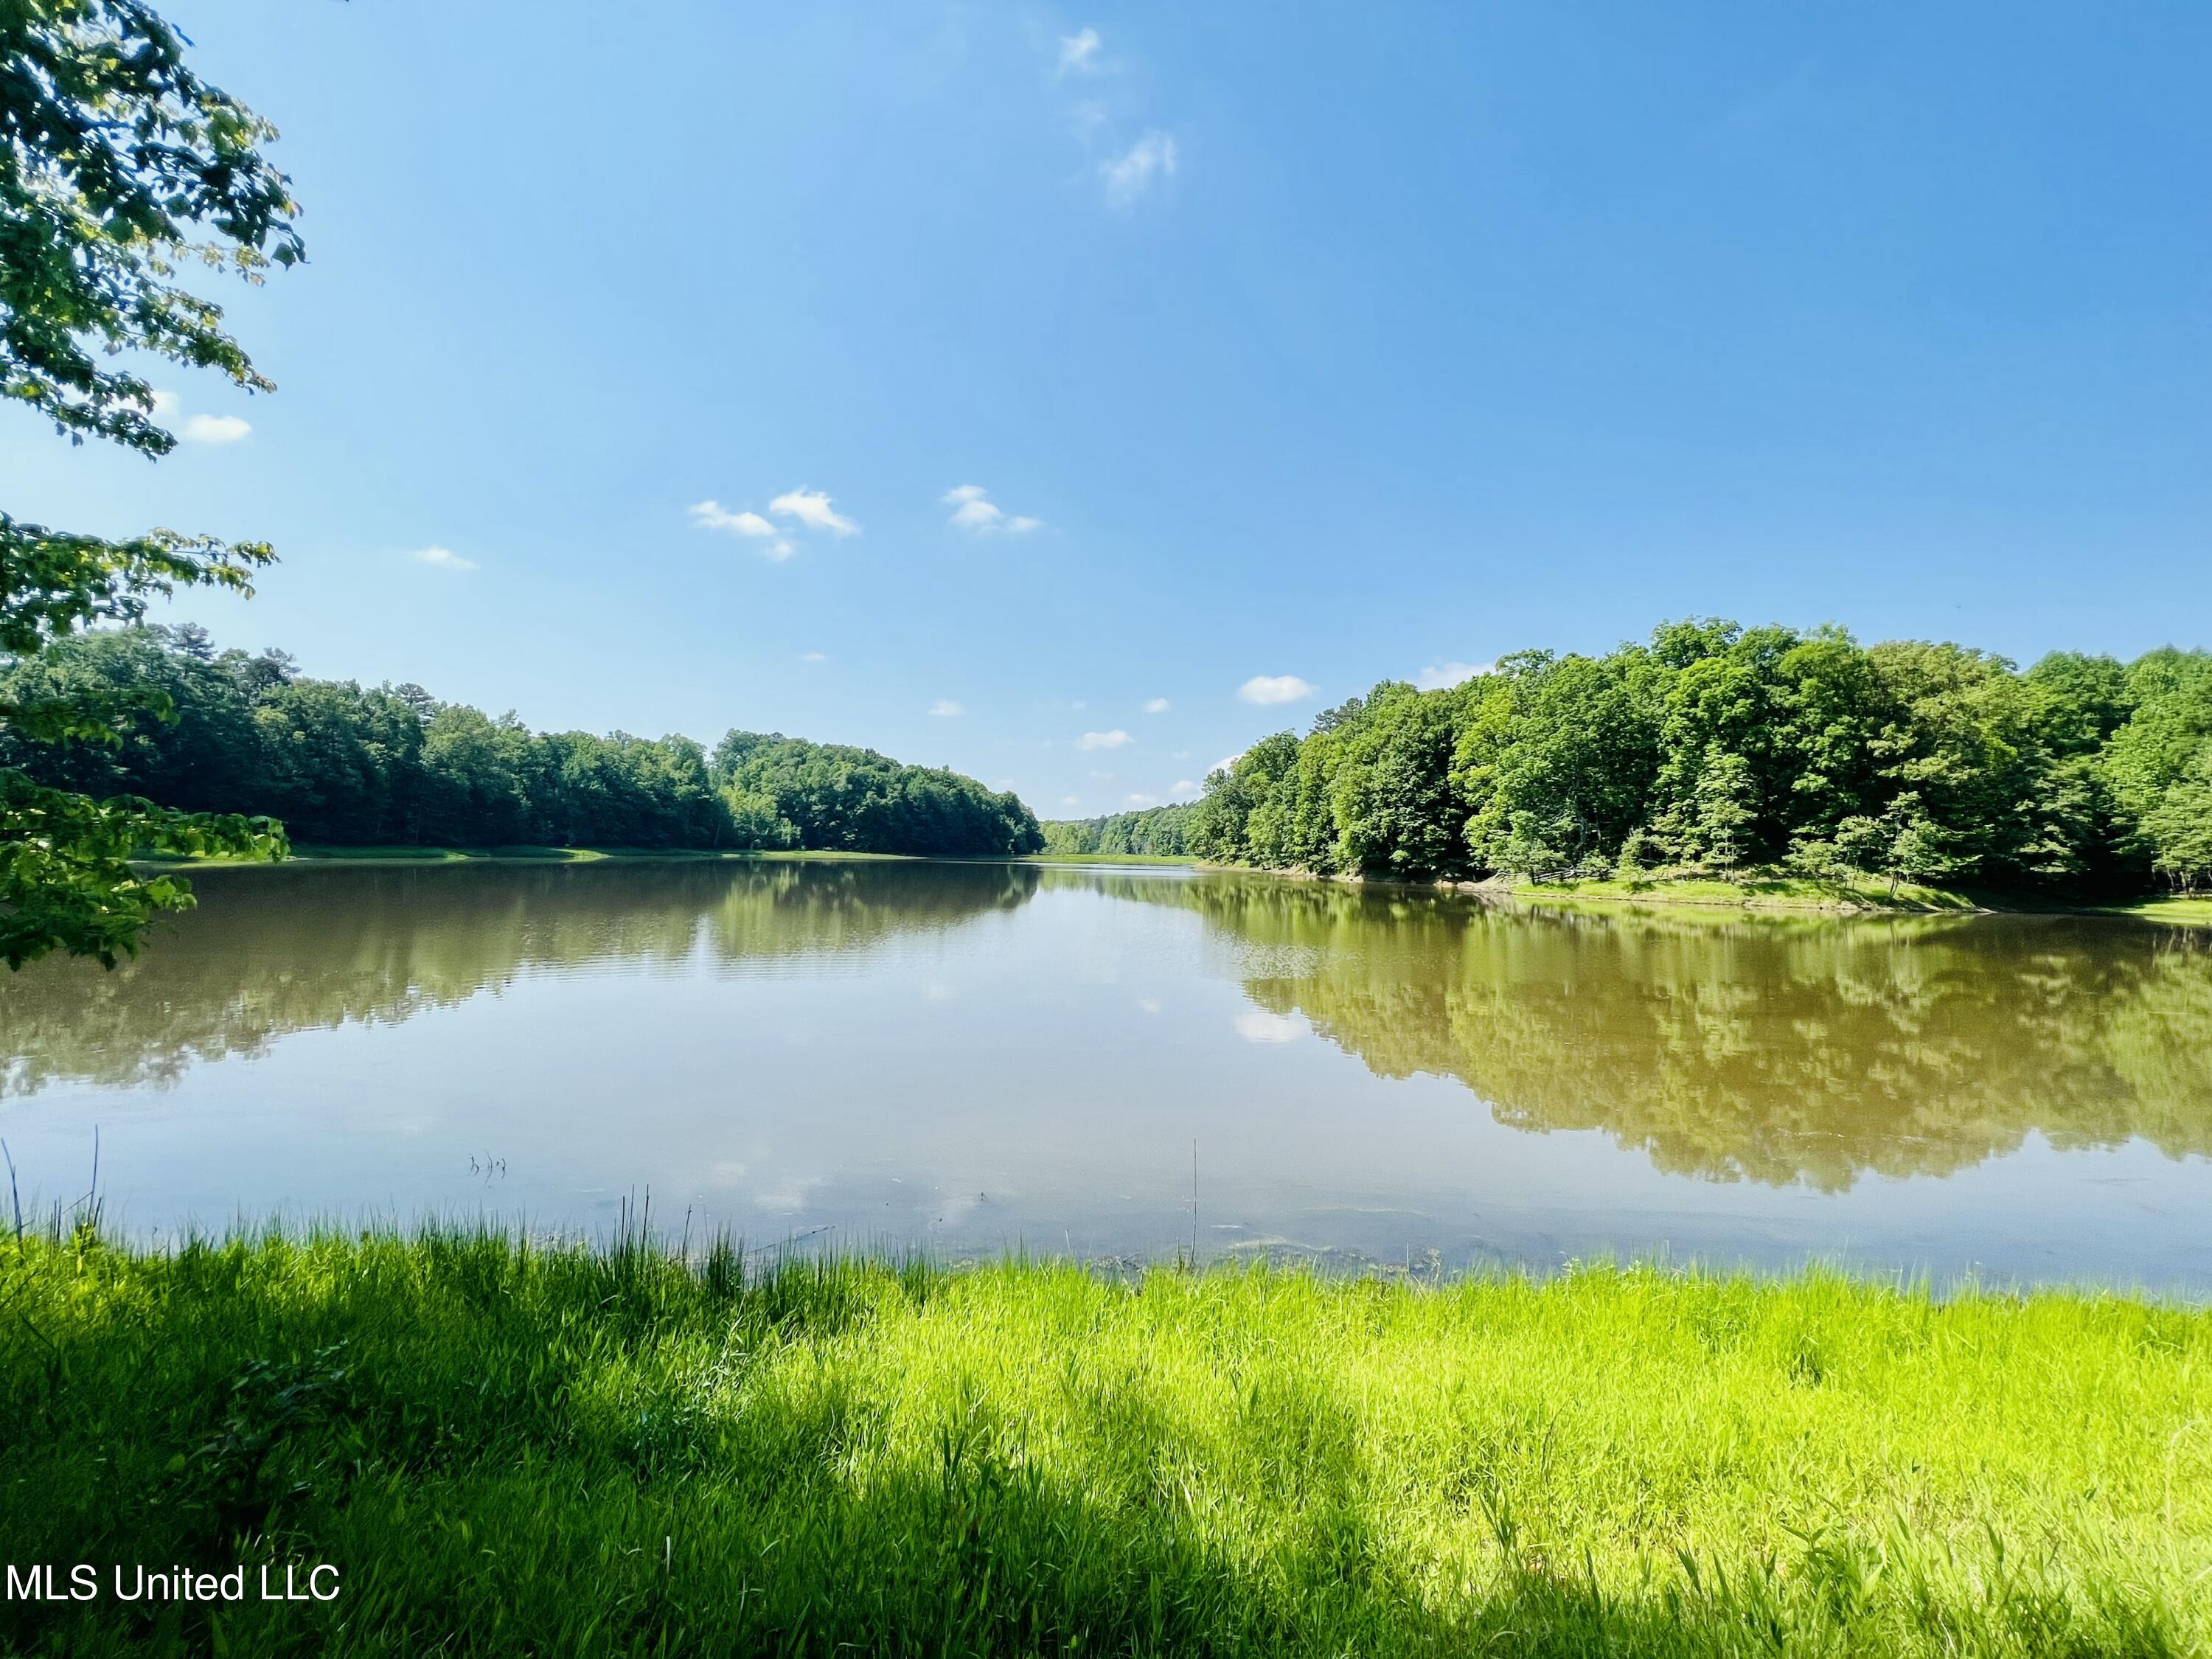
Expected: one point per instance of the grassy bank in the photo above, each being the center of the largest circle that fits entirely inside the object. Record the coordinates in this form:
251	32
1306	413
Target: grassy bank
1757	892
1795	893
2194	909
538	1451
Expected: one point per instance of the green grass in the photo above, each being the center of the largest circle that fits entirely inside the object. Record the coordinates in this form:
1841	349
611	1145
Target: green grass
1757	892
538	1450
2194	909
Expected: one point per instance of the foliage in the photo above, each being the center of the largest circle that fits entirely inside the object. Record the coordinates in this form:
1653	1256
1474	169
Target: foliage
119	165
65	878
809	1456
1715	749
835	799
343	764
1155	832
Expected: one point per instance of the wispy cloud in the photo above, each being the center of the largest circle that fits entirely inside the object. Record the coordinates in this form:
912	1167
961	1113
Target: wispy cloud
811	508
1159	705
1184	787
1439	676
214	429
945	708
442	557
1141	801
1266	689
814	656
164	402
1079	52
713	515
973	510
1130	174
1104	740
1071	800
1226	764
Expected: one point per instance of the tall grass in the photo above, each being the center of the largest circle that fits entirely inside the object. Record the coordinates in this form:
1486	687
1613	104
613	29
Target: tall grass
516	1447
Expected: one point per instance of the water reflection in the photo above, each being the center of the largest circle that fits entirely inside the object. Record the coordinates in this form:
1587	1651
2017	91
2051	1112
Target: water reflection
1770	1049
1776	1051
274	952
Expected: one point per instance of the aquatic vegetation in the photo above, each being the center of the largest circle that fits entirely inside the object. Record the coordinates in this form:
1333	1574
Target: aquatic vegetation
542	1448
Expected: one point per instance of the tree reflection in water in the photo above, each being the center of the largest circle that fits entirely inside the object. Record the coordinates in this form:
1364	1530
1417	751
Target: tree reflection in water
273	951
1772	1048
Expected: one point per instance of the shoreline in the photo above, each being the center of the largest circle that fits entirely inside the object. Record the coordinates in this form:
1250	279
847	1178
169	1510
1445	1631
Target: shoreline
400	855
1777	896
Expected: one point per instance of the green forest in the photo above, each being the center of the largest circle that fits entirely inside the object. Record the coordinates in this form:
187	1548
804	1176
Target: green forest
204	730
1717	749
1157	832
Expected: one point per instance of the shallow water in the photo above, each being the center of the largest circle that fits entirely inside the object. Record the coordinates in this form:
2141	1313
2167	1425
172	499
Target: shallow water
974	1057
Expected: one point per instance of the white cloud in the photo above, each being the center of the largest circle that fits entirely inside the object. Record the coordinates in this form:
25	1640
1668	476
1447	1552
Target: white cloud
814	656
1438	676
444	558
778	550
1130	174
1103	740
973	510
1079	52
1261	1026
164	402
1184	787
811	509
1071	800
1159	705
713	515
1141	801
945	708
1266	689
214	429
1226	764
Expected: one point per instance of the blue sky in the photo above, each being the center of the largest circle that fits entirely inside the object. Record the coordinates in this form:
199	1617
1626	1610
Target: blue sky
1093	372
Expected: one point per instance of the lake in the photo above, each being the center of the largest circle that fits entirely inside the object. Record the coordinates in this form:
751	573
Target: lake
1113	1062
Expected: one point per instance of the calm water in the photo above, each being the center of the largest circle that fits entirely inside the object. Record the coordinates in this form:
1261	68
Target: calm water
978	1056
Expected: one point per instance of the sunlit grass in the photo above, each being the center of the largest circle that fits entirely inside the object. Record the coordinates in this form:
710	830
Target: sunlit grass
1755	891
2193	908
546	1449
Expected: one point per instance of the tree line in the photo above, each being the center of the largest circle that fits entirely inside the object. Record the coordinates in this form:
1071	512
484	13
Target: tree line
1721	749
198	729
1159	831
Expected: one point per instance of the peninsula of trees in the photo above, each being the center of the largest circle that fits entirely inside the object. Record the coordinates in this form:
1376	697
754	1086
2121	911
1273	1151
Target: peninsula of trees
1720	749
204	730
